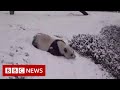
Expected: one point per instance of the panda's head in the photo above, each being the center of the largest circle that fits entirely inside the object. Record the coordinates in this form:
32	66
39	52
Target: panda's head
69	52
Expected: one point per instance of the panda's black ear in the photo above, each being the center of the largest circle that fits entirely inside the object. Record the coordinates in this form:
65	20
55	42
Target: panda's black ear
65	50
70	45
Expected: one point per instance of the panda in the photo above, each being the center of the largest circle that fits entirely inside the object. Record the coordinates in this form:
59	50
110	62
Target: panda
56	47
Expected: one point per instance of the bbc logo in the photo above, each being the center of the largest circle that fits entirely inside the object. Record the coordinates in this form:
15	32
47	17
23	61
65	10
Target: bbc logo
24	70
15	70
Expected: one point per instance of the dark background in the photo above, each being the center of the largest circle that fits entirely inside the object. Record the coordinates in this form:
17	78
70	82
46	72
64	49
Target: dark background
59	5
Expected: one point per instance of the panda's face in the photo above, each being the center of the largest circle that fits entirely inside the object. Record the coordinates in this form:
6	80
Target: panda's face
69	52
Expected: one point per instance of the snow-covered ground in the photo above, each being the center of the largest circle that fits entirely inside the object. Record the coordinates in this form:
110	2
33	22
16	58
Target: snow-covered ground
17	31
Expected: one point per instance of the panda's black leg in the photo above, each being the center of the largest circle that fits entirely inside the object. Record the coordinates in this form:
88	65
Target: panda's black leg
34	44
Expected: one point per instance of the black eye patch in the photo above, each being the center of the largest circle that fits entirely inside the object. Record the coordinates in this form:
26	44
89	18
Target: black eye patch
65	50
71	54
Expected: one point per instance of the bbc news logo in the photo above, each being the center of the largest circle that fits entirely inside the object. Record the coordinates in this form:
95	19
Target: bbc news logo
23	70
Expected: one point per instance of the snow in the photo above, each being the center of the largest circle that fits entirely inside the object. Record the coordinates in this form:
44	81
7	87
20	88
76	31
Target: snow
17	31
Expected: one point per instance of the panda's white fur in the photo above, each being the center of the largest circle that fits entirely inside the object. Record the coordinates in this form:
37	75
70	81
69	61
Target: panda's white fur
44	42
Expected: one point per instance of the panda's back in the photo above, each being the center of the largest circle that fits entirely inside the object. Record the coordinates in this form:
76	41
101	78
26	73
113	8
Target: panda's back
43	41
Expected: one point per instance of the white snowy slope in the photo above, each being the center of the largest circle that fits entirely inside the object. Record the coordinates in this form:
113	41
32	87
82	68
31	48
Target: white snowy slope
17	31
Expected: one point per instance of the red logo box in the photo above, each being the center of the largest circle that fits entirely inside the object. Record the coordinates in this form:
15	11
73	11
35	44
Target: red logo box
23	70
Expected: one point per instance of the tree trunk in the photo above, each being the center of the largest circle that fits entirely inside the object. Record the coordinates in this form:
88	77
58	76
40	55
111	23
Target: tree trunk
11	12
84	12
